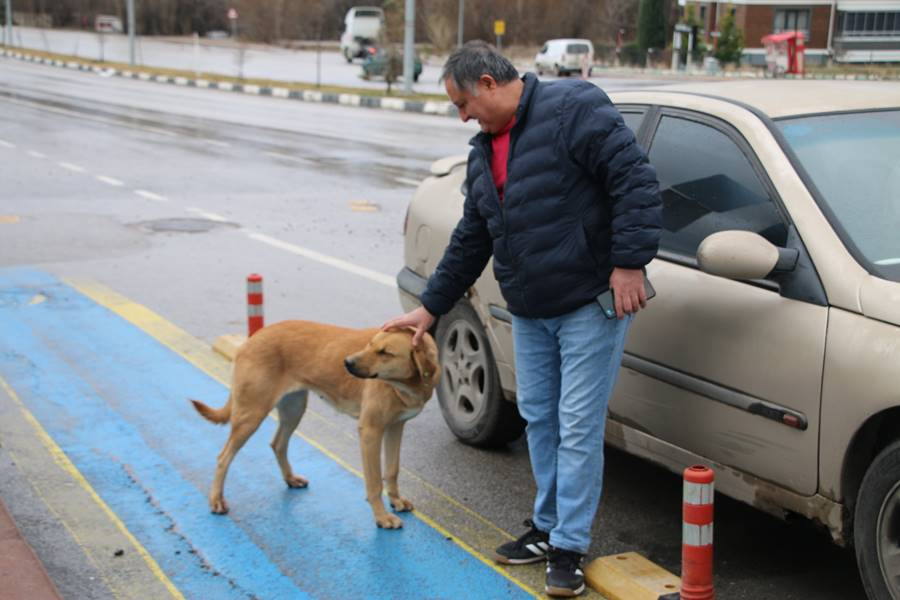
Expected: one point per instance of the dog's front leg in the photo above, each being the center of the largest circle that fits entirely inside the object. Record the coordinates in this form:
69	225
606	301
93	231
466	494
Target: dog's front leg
370	436
392	437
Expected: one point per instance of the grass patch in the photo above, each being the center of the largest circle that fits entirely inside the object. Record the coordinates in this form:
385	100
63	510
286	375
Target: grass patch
218	77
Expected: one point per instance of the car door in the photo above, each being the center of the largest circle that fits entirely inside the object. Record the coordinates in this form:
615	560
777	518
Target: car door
728	370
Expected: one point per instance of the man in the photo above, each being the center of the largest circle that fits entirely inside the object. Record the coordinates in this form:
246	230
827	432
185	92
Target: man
563	198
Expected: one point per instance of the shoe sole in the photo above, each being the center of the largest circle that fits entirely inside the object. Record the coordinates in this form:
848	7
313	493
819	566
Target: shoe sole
505	560
558	592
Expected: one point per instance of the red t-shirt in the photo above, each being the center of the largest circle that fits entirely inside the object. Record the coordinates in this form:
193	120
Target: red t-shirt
500	155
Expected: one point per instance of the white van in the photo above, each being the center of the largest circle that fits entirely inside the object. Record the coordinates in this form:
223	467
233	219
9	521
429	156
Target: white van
362	25
564	56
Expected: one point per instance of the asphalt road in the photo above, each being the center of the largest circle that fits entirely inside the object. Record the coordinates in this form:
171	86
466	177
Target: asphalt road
171	196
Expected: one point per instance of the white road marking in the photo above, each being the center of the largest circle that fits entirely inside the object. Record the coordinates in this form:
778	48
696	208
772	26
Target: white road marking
108	180
207	215
407	181
71	167
150	196
218	143
83	117
6	144
324	259
299	159
36	154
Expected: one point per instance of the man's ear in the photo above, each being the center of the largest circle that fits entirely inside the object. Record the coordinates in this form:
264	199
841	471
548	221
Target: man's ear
488	82
426	358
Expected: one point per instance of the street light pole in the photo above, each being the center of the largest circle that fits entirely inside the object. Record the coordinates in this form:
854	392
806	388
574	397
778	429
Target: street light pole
409	39
459	28
8	40
130	9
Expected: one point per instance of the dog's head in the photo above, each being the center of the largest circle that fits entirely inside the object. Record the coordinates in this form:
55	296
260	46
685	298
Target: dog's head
390	355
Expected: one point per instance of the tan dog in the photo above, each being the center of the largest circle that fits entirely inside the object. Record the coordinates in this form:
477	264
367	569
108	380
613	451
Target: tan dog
373	375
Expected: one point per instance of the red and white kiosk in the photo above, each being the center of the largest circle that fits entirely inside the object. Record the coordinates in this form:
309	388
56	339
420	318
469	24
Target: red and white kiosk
784	53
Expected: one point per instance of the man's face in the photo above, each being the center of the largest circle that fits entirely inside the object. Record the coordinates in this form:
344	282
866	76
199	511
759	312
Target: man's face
482	105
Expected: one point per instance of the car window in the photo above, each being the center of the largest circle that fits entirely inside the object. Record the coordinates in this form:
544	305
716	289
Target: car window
708	184
632	120
577	49
852	159
544	49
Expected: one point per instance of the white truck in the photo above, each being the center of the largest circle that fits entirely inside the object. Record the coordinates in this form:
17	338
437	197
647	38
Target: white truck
362	26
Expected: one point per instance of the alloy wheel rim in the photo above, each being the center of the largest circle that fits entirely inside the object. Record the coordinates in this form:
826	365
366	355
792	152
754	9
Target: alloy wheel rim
464	359
888	545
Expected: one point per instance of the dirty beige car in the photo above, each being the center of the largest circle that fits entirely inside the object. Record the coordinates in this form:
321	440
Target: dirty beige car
772	351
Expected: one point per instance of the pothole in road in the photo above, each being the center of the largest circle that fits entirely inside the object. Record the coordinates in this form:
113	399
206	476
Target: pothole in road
185	225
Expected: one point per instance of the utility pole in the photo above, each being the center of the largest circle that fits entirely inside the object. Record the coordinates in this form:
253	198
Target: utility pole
459	28
8	40
409	38
130	9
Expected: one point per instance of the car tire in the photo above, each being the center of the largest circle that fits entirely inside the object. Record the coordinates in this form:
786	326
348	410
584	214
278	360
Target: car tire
469	390
416	78
876	526
559	71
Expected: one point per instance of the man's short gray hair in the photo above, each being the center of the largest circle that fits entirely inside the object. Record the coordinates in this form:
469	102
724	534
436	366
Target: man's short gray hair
476	58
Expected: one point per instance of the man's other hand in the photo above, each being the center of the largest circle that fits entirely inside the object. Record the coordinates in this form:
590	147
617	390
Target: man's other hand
628	291
420	319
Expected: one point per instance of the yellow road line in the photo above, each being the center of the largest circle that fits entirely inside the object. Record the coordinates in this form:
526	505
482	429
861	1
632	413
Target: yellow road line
60	458
204	358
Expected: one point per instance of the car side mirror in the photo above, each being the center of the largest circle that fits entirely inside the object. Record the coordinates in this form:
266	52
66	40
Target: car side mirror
743	255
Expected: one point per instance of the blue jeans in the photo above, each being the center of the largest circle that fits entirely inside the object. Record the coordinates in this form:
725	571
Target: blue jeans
566	368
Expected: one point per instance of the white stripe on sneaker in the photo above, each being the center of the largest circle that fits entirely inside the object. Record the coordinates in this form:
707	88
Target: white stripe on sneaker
535	549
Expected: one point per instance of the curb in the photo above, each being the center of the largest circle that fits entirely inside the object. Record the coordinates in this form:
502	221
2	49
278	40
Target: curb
22	574
227	345
444	109
630	576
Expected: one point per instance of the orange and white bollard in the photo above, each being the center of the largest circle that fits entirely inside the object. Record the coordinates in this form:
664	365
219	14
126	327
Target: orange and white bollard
697	534
254	304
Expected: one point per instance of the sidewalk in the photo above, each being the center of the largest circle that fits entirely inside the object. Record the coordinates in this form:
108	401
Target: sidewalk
22	575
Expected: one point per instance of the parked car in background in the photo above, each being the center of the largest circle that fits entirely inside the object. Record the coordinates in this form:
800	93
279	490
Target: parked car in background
772	349
376	61
564	56
362	26
108	24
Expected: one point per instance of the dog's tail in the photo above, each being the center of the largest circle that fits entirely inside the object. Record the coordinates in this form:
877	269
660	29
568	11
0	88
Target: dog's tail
218	416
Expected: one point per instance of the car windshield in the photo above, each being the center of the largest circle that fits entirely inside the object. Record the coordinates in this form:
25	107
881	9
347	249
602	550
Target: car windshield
577	49
852	159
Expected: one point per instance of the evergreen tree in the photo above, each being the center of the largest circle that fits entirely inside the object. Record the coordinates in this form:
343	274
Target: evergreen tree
651	32
731	40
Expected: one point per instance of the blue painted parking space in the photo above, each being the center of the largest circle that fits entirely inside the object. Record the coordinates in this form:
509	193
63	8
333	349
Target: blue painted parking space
116	402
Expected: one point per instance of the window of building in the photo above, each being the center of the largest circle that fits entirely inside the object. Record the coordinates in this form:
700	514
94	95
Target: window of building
869	24
792	19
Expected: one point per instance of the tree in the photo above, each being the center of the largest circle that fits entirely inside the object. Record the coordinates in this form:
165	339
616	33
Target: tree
731	40
651	31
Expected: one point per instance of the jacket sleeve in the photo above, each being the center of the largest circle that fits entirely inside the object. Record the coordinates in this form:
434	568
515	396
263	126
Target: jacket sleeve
600	142
464	259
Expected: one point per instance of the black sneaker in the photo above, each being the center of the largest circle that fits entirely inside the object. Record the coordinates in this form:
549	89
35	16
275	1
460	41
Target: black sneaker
531	547
564	575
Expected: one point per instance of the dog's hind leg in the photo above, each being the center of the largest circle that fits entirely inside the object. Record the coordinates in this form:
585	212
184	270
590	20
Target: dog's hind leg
290	410
243	425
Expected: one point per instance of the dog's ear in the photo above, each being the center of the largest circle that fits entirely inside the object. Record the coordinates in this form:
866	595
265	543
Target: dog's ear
426	358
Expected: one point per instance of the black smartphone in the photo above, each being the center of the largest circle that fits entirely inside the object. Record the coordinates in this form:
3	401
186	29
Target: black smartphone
608	304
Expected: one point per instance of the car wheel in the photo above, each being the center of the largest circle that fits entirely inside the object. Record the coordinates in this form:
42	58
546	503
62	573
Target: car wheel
416	78
469	391
347	56
559	71
876	526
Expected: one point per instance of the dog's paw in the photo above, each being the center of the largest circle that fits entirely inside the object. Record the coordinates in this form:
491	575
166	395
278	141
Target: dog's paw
218	506
389	522
295	481
401	504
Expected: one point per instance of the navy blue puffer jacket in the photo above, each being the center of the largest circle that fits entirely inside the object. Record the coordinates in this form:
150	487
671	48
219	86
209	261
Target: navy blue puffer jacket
580	199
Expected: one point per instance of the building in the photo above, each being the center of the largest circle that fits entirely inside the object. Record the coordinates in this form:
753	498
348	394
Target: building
845	31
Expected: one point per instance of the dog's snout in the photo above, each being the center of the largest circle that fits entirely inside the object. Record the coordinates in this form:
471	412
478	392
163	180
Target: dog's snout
348	362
